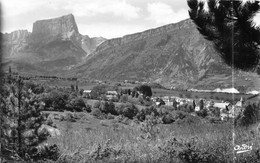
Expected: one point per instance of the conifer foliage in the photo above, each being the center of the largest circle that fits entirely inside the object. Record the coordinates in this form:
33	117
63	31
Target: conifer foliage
229	25
21	136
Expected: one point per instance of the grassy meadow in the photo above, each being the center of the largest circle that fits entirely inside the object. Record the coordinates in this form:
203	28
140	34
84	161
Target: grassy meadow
89	139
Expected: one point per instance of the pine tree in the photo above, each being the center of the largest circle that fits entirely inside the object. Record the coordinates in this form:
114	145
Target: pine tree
10	70
77	88
229	25
22	120
72	87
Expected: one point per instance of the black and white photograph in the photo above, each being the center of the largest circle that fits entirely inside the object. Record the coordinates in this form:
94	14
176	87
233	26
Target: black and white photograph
130	81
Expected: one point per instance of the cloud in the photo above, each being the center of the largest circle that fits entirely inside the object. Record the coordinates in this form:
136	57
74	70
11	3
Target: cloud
109	30
13	8
119	8
120	16
162	13
90	8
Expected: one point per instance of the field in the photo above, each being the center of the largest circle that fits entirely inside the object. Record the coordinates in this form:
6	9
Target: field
94	140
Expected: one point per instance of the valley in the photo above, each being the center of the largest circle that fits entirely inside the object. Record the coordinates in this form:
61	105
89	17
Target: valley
160	95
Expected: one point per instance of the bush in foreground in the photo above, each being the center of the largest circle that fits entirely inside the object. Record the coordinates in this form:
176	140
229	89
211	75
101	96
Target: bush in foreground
178	150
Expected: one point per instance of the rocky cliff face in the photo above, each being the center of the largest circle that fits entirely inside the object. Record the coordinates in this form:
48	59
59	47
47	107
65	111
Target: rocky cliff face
15	42
90	44
54	44
143	35
174	54
62	28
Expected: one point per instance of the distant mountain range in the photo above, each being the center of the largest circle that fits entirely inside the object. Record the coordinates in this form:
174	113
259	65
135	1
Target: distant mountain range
54	45
173	55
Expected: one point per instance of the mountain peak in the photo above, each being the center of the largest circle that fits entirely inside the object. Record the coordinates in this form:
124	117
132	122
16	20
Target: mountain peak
64	27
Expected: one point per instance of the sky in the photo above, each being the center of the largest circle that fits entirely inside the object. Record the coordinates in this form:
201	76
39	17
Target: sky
106	18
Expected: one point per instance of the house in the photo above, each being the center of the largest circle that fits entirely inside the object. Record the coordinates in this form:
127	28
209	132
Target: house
223	106
110	95
86	91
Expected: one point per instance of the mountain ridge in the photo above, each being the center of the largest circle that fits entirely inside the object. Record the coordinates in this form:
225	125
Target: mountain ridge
174	51
172	55
53	45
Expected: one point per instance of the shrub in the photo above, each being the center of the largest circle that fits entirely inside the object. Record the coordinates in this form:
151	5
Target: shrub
189	120
98	90
144	89
164	109
108	107
97	113
141	115
68	116
78	115
201	104
186	108
202	113
87	108
178	150
97	104
147	103
55	99
110	116
179	114
150	110
168	118
123	98
215	111
128	110
122	119
141	100
213	119
248	116
101	153
76	104
35	88
49	121
149	127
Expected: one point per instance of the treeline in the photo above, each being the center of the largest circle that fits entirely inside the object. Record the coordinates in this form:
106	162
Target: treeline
99	92
27	77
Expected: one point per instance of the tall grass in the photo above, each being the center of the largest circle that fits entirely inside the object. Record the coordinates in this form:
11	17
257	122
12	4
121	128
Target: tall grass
125	144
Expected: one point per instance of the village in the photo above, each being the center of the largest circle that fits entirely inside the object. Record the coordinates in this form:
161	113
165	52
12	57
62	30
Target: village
223	109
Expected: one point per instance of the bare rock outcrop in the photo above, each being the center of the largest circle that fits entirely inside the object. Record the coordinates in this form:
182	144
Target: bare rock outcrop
62	28
15	42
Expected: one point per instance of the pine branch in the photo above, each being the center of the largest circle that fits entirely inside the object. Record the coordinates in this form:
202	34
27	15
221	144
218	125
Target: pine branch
223	18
